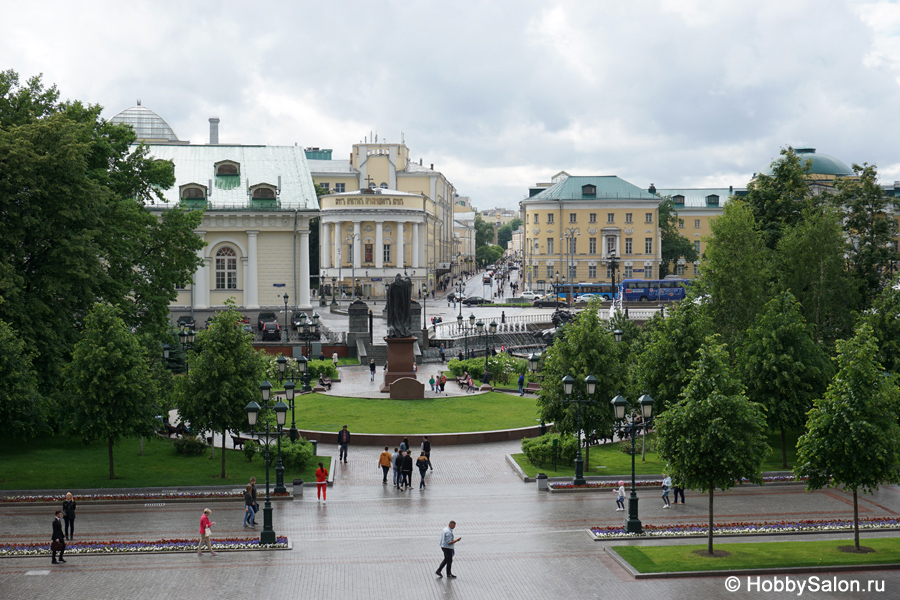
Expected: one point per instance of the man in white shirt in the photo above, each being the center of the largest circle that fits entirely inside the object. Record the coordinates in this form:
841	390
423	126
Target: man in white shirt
447	542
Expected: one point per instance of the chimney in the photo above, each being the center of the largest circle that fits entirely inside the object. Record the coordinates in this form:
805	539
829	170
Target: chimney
213	131
432	166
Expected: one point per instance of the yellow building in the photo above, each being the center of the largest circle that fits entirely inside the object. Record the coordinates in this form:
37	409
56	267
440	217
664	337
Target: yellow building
574	226
421	236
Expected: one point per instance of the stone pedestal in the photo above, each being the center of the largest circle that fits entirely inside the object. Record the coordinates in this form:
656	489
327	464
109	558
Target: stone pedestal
400	361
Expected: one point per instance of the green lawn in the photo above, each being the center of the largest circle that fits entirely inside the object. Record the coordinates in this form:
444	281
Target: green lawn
63	462
759	555
608	459
439	414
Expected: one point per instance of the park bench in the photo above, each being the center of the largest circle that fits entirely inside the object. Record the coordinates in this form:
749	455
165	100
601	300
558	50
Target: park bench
324	382
238	440
533	387
462	381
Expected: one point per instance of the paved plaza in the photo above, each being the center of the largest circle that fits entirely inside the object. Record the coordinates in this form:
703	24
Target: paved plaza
373	542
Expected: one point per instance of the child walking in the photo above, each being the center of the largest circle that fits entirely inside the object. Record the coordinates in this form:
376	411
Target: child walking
666	484
620	496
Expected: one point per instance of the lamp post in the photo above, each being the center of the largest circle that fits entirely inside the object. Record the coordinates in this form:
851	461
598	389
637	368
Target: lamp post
534	362
424	300
570	234
350	247
624	428
289	389
309	332
287	336
590	383
488	333
267	535
333	283
461	325
303	365
186	336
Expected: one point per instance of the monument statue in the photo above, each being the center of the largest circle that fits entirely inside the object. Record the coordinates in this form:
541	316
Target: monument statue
399	320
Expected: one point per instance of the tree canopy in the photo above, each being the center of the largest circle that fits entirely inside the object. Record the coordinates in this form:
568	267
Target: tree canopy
109	390
715	435
75	228
852	437
504	234
673	245
23	410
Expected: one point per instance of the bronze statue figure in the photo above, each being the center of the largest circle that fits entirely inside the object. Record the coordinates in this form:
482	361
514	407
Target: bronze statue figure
399	319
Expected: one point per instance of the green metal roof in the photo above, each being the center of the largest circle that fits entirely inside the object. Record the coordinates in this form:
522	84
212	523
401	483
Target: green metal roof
822	164
608	187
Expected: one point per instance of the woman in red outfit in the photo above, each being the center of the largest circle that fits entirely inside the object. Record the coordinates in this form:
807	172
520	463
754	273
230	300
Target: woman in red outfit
321	483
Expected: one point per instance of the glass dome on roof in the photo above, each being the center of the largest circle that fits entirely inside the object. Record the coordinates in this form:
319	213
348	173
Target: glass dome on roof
822	164
148	125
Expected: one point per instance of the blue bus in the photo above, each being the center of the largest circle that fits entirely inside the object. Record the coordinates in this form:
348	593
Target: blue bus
607	291
654	290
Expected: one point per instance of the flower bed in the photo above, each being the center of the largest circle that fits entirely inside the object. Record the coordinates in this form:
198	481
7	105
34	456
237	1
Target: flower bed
611	485
740	528
135	497
141	546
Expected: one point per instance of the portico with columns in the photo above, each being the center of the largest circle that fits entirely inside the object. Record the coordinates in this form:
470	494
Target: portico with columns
368	236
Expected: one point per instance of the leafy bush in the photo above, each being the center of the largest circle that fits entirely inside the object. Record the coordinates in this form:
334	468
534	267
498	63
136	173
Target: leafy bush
296	455
625	446
539	450
503	368
251	449
190	446
315	368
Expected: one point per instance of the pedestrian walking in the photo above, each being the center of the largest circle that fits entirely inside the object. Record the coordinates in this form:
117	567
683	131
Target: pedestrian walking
249	513
397	463
407	470
404	445
205	532
426	448
255	502
470	385
431	383
343	444
503	316
521	384
447	548
372	370
679	491
422	463
57	539
620	496
321	483
334	359
443	382
68	510
441	350
666	484
384	461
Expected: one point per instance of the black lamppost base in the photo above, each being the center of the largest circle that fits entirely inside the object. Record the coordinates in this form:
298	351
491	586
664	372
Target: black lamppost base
267	535
633	525
579	470
294	434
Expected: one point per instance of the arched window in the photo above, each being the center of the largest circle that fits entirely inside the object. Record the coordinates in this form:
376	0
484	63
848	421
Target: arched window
226	269
263	192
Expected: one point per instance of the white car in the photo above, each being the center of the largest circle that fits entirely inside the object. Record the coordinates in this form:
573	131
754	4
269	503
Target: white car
530	296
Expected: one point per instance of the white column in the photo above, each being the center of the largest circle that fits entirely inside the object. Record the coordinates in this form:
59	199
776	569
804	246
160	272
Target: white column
251	285
201	279
401	250
414	255
304	268
379	245
357	242
338	226
421	248
325	245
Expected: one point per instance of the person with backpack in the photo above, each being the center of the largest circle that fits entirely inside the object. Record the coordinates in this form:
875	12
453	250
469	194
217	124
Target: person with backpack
423	463
426	450
521	384
406	470
443	381
398	469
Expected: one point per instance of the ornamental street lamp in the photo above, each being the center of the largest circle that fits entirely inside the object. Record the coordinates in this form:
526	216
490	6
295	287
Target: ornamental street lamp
625	428
590	384
308	333
460	324
286	334
488	335
534	362
350	247
303	365
286	376
424	299
186	336
333	284
267	535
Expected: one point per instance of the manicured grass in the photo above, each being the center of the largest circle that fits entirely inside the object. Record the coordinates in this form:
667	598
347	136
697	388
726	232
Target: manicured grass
63	462
759	555
608	459
435	414
347	361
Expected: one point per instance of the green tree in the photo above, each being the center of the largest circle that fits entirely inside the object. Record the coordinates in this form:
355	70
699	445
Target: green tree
673	245
109	390
504	234
223	377
778	200
673	343
869	225
884	319
76	228
735	276
586	347
810	264
852	438
484	232
23	410
715	435
782	367
488	255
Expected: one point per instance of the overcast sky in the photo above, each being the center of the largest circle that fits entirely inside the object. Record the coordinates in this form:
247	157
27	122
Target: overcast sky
497	95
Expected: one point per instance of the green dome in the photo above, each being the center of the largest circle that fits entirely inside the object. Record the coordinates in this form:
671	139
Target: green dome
822	164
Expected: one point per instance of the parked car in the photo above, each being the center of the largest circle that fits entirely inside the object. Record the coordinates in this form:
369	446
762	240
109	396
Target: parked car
265	317
472	300
298	319
186	321
271	332
550	301
247	327
530	296
585	298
